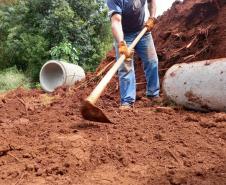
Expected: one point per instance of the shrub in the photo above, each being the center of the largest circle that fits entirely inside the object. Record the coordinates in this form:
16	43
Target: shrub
65	51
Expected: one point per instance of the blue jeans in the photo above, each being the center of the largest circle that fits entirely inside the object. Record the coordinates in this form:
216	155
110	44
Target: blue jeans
127	81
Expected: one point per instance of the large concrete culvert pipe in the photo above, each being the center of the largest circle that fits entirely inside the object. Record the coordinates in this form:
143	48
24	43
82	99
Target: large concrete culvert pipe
55	73
199	85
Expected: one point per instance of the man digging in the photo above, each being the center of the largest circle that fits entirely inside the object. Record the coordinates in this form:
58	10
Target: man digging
128	17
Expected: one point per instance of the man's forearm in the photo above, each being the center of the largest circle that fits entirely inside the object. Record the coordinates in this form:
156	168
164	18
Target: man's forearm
117	32
116	26
152	7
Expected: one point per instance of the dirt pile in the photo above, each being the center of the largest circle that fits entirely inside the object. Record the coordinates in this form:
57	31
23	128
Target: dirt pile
45	140
191	31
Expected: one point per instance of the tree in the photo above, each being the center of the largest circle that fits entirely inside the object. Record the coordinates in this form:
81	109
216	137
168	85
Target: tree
34	31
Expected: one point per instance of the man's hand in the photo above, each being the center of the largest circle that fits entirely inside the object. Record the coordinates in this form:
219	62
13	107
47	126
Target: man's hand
150	23
124	50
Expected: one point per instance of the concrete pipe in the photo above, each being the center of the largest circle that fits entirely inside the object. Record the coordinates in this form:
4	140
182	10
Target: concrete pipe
198	85
55	73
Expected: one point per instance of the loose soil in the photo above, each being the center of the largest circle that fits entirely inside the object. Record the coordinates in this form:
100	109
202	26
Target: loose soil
45	140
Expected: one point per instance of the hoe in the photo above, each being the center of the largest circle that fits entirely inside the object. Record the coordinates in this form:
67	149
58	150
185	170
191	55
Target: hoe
89	110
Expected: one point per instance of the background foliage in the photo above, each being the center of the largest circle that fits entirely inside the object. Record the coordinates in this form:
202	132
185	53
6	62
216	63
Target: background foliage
34	31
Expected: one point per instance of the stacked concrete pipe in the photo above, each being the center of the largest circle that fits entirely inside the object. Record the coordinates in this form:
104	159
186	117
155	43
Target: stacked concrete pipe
56	73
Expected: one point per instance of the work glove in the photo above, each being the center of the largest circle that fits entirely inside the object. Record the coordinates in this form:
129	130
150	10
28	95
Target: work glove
150	23
124	50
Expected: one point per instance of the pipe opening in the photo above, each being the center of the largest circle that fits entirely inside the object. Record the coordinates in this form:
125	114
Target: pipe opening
52	76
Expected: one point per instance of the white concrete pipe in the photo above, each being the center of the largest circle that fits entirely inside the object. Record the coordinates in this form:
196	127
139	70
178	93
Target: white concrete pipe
198	85
57	73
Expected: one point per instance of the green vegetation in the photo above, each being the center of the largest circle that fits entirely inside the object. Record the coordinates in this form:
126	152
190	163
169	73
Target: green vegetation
11	79
34	31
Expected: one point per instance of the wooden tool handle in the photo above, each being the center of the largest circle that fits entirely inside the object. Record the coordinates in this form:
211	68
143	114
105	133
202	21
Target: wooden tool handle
95	94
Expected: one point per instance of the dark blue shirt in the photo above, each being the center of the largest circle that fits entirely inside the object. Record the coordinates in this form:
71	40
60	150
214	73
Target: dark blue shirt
132	12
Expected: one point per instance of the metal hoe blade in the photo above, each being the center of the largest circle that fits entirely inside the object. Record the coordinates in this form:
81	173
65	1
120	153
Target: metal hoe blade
93	113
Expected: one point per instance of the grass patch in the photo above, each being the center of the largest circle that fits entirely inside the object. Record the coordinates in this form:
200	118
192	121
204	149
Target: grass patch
12	78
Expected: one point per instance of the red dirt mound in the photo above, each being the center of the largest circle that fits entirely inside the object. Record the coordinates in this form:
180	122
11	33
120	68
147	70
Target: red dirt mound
190	31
